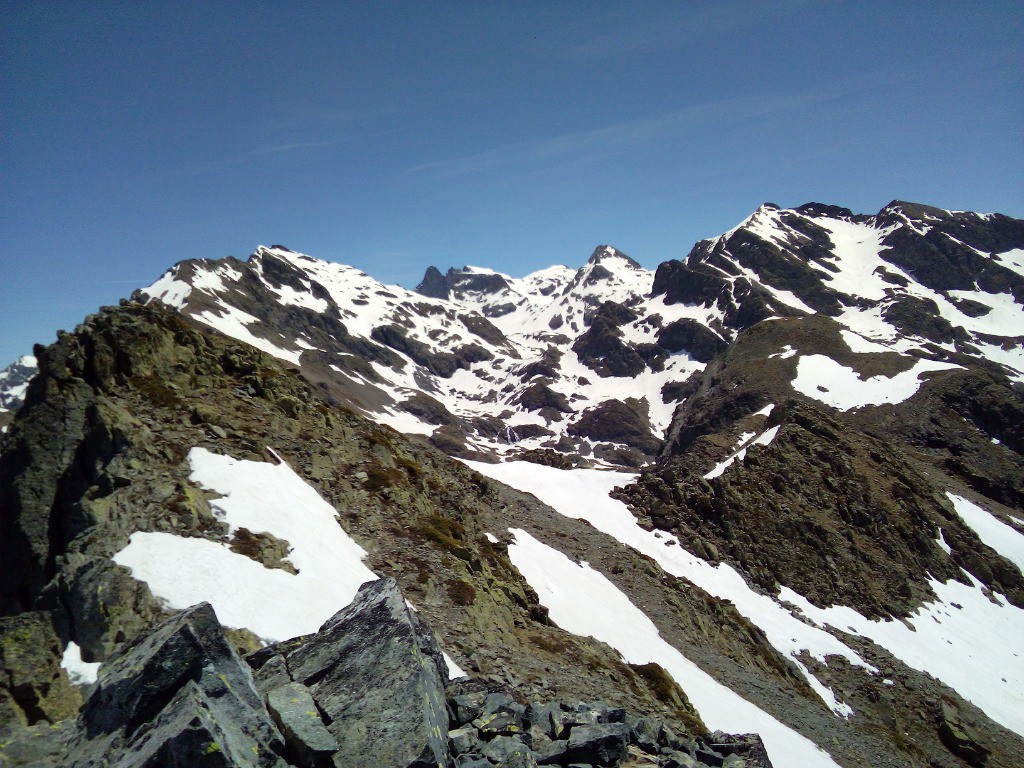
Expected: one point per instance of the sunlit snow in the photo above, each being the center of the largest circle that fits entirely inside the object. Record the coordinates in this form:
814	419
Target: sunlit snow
273	603
1001	537
825	380
973	644
583	601
234	323
970	642
765	438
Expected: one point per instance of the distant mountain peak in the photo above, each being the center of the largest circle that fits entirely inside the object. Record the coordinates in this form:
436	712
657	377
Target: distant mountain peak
605	252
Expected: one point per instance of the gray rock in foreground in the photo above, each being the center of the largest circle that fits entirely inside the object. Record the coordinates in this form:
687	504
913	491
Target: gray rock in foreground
366	691
178	696
377	674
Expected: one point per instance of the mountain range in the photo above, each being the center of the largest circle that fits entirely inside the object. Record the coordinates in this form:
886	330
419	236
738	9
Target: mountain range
775	487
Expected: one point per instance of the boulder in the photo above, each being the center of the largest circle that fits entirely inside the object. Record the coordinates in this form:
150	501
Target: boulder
376	672
499	748
178	696
308	743
500	716
601	744
467	707
519	758
957	736
462	740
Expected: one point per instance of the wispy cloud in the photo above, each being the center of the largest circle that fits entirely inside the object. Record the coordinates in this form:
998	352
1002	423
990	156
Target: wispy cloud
278	148
626	136
245	158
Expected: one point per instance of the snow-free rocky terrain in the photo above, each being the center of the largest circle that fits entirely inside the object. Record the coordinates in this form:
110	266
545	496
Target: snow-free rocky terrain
773	488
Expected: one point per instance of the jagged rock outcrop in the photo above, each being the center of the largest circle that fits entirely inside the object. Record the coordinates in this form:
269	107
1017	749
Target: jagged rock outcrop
179	696
368	689
459	282
377	678
617	421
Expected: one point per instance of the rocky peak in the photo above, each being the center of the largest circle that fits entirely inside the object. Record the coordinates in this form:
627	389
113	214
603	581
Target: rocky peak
14	381
824	210
434	284
604	253
915	211
458	283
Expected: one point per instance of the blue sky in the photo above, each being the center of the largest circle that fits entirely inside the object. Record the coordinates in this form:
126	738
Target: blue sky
392	136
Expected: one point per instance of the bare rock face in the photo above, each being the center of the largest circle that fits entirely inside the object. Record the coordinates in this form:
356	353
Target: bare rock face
377	675
33	687
366	690
616	421
177	697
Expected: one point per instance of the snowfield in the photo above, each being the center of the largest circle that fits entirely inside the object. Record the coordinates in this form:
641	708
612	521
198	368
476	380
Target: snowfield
823	379
273	603
582	601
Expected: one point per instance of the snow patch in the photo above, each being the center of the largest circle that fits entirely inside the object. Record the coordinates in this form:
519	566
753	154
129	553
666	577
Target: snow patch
265	498
169	290
859	345
79	672
583	601
1004	539
765	438
969	641
583	494
786	353
234	323
823	379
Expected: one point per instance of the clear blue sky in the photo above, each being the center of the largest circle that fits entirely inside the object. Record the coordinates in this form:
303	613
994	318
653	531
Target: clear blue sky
392	136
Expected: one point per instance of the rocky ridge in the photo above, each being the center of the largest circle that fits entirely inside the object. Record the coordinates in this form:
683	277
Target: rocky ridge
368	689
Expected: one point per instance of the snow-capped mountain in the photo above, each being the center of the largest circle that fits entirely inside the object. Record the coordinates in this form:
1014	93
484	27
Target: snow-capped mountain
14	381
773	487
499	363
583	361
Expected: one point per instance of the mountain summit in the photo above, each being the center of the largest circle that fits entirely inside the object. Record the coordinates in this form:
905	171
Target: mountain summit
772	487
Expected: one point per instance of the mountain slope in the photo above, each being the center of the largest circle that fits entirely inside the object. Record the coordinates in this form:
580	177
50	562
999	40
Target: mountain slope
819	537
